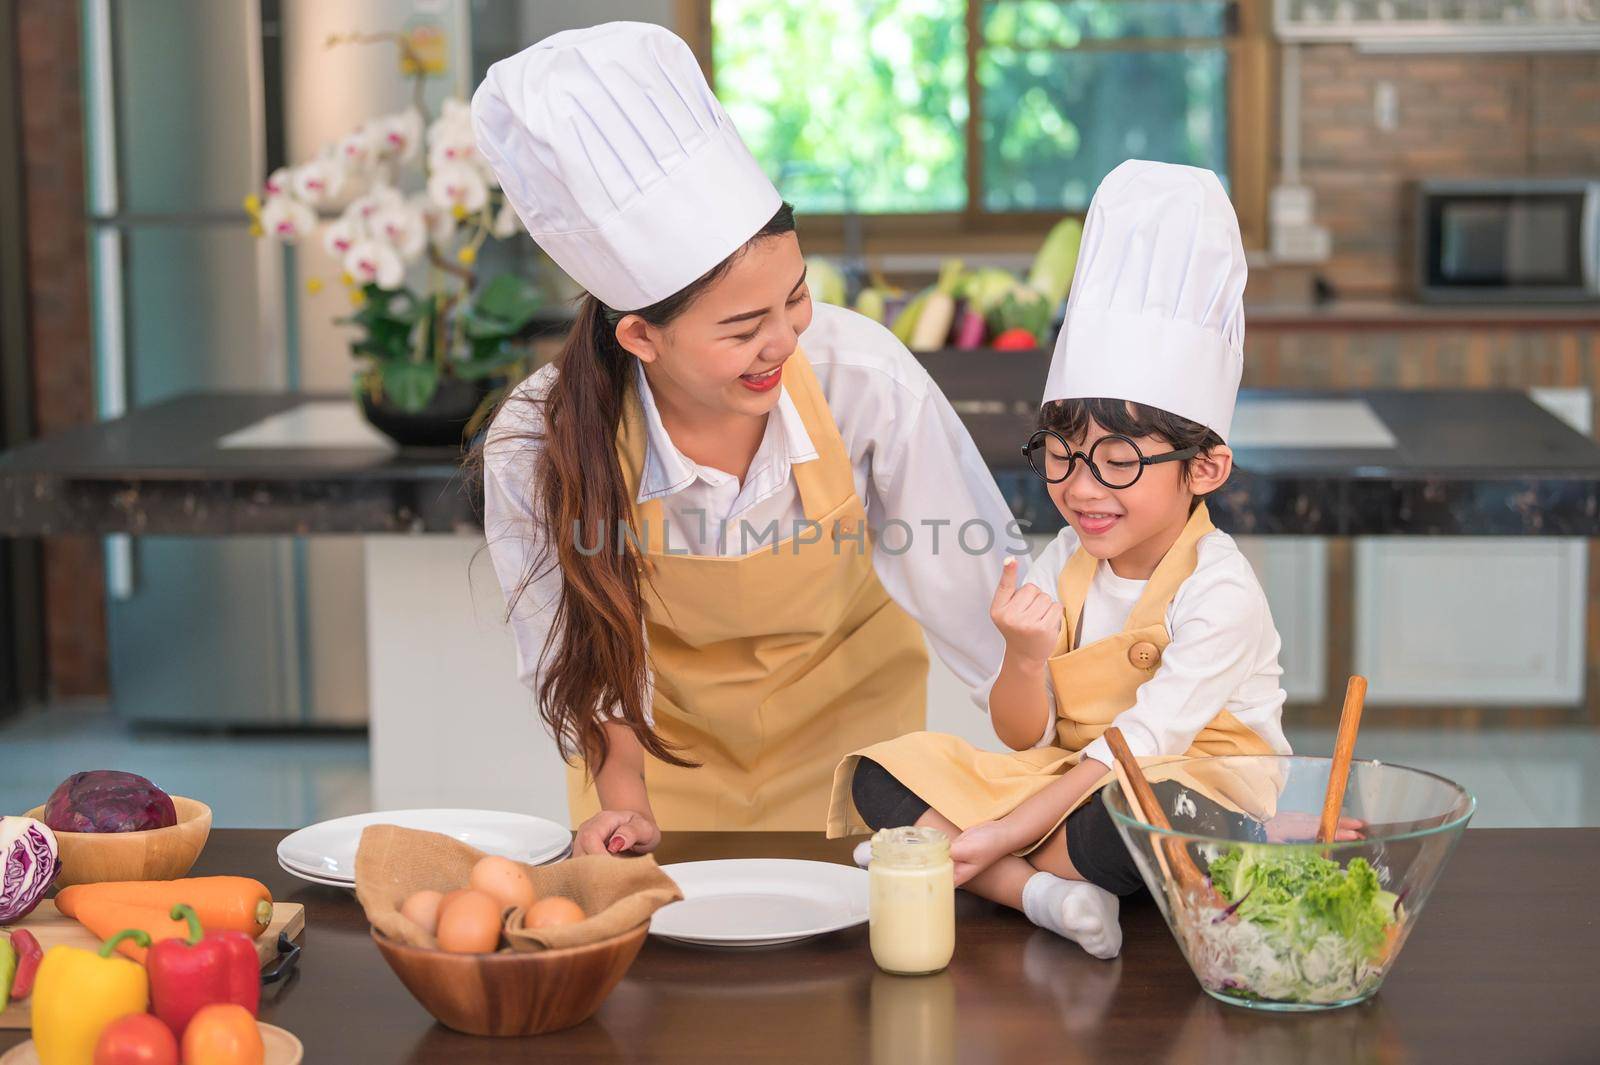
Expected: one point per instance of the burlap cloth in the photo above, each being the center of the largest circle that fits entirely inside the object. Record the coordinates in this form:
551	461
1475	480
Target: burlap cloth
618	894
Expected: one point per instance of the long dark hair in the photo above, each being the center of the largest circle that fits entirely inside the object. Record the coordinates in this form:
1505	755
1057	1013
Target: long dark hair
596	661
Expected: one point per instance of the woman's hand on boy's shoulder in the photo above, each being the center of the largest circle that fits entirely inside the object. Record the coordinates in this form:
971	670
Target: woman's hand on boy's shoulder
1027	617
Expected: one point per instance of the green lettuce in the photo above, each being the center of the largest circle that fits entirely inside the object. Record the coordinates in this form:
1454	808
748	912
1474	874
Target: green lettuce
1298	896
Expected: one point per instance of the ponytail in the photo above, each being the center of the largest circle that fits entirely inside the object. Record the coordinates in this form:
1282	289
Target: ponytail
595	668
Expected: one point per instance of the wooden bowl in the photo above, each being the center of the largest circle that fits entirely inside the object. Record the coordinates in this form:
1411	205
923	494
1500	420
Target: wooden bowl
513	993
154	854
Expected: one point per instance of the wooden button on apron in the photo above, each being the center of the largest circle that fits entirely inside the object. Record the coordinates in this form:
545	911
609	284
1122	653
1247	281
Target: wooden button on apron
1144	655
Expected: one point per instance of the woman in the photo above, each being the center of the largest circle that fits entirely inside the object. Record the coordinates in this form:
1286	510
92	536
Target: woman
677	507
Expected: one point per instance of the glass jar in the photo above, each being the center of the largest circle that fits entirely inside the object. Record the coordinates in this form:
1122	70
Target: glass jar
913	901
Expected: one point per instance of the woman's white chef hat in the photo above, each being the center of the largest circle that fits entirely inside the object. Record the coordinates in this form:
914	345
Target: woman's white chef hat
622	164
1156	313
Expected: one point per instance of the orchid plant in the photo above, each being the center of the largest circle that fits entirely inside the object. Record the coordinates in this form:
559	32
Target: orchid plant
399	191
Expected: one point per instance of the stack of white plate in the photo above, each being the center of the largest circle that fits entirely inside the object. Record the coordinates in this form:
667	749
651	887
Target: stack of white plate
325	853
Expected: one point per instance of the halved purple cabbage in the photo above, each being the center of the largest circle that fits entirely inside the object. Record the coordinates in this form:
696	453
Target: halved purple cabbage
29	862
108	800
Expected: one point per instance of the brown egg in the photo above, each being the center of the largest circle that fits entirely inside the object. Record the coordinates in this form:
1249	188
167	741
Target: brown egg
422	908
469	923
505	880
555	910
449	897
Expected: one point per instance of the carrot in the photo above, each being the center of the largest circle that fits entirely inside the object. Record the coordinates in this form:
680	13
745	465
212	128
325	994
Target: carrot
223	903
106	917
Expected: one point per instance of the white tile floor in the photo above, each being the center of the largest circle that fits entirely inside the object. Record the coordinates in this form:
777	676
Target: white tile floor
1521	778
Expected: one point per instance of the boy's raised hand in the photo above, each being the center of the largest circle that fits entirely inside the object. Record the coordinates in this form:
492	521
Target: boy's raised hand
1027	617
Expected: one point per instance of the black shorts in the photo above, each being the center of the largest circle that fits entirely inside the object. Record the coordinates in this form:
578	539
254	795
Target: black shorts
1096	849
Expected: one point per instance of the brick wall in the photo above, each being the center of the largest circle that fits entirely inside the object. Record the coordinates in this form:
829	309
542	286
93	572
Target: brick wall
59	347
1458	116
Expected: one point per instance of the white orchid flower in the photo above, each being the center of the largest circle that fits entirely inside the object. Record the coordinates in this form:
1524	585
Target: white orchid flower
456	146
459	188
340	236
506	222
404	228
454	117
359	150
441	221
287	219
278	182
374	262
362	209
318	182
399	135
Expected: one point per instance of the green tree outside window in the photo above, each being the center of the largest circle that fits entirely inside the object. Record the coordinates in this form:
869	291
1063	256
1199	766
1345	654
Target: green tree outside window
863	104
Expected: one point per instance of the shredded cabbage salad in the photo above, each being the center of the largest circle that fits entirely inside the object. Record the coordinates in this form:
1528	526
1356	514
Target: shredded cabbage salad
1298	927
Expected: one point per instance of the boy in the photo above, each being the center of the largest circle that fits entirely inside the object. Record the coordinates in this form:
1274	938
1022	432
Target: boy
1140	614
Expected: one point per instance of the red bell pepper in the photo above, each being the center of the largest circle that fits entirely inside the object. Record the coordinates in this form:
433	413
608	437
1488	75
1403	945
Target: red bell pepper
188	974
29	955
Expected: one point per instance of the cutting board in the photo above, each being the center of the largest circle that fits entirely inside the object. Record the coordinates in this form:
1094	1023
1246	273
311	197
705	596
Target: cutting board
53	930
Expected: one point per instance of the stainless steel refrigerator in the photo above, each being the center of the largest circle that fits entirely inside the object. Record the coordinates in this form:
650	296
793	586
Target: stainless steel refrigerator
188	105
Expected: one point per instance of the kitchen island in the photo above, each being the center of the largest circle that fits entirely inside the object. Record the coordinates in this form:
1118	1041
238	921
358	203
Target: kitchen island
1432	462
1500	968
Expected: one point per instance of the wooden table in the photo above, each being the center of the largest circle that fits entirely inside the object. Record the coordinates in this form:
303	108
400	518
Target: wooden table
1504	967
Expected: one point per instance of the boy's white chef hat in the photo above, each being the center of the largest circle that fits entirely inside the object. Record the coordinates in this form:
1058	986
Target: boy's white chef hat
1156	313
622	164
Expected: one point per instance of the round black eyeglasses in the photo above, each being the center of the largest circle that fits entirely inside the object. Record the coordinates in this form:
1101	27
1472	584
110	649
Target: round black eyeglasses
1114	460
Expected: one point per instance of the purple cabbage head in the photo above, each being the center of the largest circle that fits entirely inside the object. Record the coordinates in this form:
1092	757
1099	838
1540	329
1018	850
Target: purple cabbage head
108	800
29	862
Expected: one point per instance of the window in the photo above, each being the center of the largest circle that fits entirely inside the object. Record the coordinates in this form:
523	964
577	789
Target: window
985	110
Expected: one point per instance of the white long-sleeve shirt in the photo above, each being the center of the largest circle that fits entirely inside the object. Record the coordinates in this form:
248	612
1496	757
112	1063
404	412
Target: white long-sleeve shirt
1223	654
913	461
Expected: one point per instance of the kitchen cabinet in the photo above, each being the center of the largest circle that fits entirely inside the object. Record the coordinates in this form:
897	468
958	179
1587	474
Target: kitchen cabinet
1491	621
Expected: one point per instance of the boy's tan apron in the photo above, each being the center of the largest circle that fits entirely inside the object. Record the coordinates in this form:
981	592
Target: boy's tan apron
1093	685
769	667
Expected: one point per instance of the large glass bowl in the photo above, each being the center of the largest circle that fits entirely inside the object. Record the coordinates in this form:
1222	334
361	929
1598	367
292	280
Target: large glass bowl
1274	920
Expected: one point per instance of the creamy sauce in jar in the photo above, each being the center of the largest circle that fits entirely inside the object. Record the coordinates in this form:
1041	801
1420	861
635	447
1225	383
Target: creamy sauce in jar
913	901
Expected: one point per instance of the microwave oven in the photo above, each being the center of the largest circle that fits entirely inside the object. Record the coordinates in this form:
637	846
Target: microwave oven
1509	240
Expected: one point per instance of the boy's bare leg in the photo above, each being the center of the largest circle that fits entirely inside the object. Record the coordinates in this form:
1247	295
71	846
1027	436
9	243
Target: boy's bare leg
1052	856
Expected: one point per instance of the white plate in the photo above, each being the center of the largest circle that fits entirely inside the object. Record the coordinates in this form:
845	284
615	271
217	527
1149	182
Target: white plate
343	885
328	850
335	881
761	902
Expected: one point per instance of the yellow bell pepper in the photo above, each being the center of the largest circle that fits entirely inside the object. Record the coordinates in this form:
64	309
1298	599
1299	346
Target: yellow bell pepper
78	992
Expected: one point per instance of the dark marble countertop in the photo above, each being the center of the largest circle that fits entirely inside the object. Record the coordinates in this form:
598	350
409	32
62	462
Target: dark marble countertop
1462	463
161	470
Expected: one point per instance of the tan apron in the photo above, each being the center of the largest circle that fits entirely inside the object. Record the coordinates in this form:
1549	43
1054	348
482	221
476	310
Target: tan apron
1093	685
771	666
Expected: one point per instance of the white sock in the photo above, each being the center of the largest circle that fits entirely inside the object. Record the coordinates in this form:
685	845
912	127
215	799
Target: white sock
1076	910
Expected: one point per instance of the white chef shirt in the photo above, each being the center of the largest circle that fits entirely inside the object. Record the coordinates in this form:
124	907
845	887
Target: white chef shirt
1223	654
914	462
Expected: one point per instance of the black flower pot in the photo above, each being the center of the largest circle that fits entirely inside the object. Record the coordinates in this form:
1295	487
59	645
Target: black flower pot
442	423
